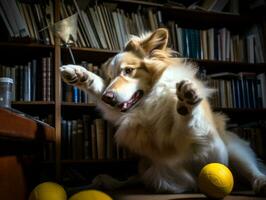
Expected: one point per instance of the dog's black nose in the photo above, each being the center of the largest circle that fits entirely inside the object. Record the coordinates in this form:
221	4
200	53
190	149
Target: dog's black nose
109	98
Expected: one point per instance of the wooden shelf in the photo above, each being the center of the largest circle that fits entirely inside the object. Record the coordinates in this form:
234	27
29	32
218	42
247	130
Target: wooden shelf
23	52
243	115
238	110
94	55
34	107
101	55
234	113
33	103
242	110
97	162
214	66
16	45
105	161
76	110
71	104
17	126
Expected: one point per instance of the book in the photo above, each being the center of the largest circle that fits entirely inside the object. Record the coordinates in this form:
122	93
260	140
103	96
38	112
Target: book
6	23
94	142
87	137
100	138
64	142
98	27
15	18
262	88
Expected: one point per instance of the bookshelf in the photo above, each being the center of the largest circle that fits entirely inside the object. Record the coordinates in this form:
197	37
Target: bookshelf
11	53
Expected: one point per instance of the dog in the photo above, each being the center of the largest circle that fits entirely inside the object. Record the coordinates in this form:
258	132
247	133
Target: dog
162	114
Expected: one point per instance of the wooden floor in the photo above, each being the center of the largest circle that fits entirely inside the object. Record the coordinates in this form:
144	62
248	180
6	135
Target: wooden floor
180	197
140	193
137	195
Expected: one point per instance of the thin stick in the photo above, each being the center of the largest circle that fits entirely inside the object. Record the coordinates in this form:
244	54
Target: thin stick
71	54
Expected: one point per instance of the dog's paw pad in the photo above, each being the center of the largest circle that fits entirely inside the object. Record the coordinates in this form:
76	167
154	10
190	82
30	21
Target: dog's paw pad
73	74
187	92
183	110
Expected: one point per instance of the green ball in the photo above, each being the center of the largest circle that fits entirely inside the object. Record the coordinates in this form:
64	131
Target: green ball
48	191
90	195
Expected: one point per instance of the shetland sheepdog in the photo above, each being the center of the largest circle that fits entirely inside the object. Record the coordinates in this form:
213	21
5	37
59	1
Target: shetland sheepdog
162	114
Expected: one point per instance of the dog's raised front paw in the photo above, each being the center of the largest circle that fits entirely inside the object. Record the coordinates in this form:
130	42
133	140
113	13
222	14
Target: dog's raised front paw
188	96
74	74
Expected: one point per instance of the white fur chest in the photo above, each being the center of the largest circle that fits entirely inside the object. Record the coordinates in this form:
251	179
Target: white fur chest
151	132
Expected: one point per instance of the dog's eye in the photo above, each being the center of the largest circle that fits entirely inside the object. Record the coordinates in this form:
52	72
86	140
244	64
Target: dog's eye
128	70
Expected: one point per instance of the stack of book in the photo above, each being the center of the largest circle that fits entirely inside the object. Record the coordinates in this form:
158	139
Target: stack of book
242	90
33	81
90	139
253	133
28	20
109	27
218	44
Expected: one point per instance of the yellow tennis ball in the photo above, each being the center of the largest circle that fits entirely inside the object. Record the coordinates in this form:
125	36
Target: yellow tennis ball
90	195
215	180
48	191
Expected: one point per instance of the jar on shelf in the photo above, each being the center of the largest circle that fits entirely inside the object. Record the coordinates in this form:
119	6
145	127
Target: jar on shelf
5	91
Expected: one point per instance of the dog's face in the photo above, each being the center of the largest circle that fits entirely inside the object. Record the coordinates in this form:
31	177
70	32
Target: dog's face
132	73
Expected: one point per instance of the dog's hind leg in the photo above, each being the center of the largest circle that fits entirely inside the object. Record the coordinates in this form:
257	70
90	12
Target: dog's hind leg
104	181
245	163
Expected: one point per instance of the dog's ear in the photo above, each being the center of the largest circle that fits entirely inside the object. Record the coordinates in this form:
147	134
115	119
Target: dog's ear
134	46
107	70
157	40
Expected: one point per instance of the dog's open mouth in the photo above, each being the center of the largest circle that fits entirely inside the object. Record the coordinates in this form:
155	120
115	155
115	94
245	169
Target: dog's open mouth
126	105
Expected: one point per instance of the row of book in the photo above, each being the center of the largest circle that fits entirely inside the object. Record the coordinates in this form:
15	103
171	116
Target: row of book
108	27
89	139
242	90
105	26
218	44
93	139
254	134
33	81
28	20
74	94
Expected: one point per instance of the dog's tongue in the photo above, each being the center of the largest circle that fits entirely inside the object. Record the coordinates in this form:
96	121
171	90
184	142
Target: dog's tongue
134	99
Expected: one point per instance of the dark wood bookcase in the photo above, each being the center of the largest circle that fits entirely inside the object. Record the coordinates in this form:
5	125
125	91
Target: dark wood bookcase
19	52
